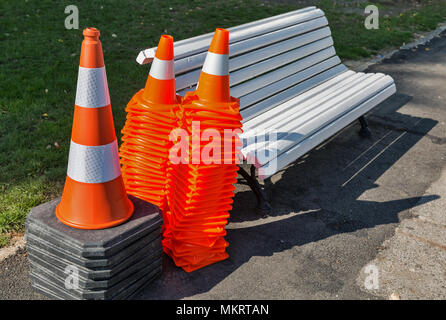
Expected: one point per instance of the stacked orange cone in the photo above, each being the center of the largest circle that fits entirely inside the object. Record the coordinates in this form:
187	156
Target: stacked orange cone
200	194
94	196
151	116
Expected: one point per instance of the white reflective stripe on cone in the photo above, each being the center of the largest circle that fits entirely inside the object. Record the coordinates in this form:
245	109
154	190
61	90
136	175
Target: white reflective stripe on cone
92	88
216	64
162	69
93	164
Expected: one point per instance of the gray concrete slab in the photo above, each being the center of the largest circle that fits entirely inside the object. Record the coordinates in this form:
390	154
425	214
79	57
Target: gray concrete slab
434	211
426	231
410	269
411	264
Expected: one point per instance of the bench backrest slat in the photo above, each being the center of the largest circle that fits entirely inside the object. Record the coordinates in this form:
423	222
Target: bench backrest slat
284	69
189	79
191	46
196	61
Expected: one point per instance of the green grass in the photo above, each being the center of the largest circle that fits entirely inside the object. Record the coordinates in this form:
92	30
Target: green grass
40	58
4	239
353	40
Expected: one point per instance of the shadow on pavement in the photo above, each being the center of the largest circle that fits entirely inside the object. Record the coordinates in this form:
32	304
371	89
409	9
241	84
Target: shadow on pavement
319	196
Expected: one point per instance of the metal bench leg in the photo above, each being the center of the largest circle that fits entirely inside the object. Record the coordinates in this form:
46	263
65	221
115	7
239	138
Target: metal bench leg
365	131
262	202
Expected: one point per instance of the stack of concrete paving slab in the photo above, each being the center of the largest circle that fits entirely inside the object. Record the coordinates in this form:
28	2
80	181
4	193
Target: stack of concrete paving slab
114	263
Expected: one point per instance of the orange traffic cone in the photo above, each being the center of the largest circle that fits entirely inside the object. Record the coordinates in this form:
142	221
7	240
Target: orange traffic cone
201	195
160	85
94	196
151	117
213	84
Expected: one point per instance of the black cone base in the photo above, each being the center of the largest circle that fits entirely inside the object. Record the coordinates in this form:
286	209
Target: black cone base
114	263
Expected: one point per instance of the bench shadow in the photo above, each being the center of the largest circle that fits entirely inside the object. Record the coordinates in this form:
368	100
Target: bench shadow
316	197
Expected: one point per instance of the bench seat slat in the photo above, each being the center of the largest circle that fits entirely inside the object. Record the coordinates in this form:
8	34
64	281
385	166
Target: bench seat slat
323	134
317	118
312	115
281	119
278	117
290	93
287	82
285	108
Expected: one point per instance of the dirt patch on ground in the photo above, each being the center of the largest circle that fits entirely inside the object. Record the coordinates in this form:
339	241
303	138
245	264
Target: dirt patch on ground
16	243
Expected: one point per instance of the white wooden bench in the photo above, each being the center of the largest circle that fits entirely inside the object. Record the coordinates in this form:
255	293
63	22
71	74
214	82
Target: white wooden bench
289	80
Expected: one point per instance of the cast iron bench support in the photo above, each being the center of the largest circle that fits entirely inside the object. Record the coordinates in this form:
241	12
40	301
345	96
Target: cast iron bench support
365	131
263	205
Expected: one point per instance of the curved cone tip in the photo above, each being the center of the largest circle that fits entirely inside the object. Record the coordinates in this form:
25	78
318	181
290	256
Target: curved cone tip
165	48
220	41
160	85
213	84
91	32
91	52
